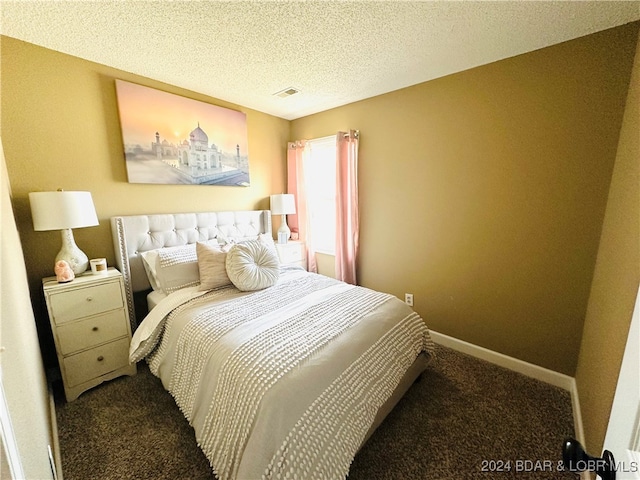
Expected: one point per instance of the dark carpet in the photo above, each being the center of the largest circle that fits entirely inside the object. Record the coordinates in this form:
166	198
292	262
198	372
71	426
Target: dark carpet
464	419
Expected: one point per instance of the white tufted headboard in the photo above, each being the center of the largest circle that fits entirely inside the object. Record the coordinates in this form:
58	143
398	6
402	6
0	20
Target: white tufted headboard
138	233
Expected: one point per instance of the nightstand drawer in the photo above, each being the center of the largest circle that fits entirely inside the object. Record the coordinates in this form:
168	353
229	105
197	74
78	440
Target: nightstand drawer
98	361
83	302
92	331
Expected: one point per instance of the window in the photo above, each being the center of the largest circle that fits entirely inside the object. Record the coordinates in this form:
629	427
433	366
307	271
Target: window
320	172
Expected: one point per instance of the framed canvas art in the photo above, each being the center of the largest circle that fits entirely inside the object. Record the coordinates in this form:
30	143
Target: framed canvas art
170	139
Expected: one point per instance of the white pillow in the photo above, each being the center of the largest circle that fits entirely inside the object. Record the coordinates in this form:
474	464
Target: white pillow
212	265
149	262
252	266
177	267
268	241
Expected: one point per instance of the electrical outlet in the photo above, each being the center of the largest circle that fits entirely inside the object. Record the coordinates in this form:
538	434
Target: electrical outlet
408	299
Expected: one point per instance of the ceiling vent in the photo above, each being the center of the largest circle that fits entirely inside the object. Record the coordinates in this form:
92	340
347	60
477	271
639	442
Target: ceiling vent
287	92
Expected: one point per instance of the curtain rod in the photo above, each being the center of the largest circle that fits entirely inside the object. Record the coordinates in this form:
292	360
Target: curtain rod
300	143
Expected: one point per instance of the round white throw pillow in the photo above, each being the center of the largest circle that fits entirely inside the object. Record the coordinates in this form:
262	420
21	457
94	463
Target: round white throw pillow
252	266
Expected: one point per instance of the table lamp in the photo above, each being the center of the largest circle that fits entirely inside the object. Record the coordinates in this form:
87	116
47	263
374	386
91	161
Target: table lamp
283	204
63	211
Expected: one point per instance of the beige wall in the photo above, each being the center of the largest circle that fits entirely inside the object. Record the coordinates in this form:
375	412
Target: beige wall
483	193
61	129
615	280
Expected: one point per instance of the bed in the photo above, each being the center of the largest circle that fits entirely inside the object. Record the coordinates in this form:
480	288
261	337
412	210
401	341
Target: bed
282	373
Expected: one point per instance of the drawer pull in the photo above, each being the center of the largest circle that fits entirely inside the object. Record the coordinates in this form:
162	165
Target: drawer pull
89	299
100	358
94	329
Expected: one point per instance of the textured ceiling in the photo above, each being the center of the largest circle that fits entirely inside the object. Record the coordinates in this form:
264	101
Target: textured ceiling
333	52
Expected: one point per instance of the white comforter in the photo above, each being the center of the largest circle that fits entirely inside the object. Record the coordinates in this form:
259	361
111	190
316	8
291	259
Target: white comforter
284	382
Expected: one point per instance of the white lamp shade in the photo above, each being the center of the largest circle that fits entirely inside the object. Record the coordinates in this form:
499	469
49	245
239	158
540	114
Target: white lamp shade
283	204
61	210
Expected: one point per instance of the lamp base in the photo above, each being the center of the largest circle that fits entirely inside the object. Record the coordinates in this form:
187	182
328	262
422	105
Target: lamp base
71	254
284	232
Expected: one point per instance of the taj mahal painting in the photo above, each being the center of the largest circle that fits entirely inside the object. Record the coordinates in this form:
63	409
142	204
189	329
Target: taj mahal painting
170	139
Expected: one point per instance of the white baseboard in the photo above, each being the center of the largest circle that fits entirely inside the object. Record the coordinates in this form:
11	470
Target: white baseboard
577	412
55	455
529	369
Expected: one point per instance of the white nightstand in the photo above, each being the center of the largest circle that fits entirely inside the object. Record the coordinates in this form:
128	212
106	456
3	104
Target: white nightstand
292	253
91	329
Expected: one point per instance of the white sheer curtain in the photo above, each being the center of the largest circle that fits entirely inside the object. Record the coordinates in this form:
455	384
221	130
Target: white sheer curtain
297	153
347	218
